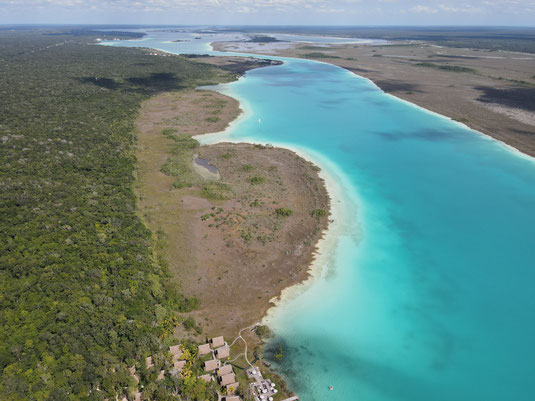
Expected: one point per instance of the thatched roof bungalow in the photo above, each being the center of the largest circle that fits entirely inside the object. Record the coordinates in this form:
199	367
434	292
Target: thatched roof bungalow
224	370
232	387
176	351
232	398
204	349
210	365
222	352
217	342
207	378
132	371
227	379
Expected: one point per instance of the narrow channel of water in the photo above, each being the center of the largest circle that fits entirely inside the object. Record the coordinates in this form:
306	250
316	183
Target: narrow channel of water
426	291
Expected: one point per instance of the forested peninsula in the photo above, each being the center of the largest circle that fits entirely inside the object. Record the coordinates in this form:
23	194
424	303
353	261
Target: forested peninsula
118	239
82	295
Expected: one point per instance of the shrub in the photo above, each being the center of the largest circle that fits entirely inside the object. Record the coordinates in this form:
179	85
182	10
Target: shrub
453	68
284	212
227	155
246	236
168	132
280	353
318	213
185	142
318	55
217	191
256	180
189	323
263	331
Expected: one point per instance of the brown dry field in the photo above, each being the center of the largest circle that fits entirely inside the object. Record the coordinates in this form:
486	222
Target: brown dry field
497	99
236	260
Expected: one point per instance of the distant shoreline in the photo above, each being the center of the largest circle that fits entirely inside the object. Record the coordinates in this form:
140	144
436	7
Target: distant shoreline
445	93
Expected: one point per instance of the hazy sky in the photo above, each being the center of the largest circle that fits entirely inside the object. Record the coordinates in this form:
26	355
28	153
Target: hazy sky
267	12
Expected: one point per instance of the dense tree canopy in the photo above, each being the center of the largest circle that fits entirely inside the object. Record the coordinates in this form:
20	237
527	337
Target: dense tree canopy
82	296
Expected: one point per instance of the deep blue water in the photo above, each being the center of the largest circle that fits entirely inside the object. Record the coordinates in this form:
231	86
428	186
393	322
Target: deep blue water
428	290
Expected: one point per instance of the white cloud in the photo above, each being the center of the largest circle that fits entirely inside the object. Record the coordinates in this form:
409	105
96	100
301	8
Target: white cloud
277	11
424	9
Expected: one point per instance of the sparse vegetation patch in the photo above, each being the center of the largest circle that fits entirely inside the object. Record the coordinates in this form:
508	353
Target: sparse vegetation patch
284	212
452	68
256	180
319	55
318	213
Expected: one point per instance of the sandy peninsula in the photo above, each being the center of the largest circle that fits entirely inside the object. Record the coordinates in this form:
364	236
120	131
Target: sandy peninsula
234	239
490	91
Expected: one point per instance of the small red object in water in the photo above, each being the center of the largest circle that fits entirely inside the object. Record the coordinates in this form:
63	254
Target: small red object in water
331	388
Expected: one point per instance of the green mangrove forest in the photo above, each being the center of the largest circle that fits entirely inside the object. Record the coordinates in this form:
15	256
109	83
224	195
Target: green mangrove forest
82	295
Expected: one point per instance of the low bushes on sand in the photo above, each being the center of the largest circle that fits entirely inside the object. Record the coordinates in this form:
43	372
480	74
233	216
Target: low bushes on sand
256	180
318	213
284	212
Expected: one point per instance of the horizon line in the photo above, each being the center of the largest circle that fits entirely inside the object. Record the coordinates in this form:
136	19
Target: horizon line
270	25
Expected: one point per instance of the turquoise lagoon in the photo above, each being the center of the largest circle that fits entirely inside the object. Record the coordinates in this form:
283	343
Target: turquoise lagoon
424	286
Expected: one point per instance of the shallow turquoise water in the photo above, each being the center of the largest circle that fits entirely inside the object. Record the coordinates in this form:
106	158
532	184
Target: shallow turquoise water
429	291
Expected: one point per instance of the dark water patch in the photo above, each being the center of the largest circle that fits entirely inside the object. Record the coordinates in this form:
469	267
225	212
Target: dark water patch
430	135
315	67
369	97
333	102
288	84
206	164
275	73
384	379
520	98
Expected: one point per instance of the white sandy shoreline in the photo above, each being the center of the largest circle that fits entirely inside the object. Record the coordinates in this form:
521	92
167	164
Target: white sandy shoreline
210	47
342	201
487	136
